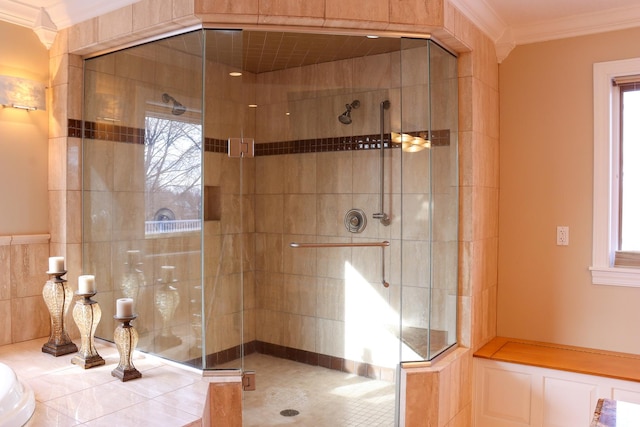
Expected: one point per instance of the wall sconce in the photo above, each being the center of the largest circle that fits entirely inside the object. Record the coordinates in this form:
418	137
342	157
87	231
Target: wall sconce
21	93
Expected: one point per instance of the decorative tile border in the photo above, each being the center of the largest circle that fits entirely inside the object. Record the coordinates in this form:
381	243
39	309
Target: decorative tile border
326	361
105	131
350	143
111	132
296	355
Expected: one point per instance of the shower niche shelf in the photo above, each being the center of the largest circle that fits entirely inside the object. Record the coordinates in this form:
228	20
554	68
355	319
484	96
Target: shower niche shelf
212	203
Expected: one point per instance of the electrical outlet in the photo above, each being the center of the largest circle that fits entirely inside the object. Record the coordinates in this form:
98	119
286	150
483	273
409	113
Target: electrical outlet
562	235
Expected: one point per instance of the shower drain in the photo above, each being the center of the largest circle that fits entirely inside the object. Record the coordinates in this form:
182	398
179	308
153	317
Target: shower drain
289	413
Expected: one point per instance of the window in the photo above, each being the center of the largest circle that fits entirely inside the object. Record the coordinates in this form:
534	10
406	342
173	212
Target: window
616	260
172	163
628	250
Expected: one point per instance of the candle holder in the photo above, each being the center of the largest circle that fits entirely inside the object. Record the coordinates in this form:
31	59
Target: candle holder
167	300
196	319
87	314
126	339
133	278
57	296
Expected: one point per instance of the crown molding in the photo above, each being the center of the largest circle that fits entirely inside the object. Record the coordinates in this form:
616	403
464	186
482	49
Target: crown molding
45	29
46	22
60	14
483	15
490	23
578	25
18	13
504	45
506	38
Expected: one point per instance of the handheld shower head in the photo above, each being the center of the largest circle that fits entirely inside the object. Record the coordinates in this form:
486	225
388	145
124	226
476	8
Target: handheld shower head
178	108
345	118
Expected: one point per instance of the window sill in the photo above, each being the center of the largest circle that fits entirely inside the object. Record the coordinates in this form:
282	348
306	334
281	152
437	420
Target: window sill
615	276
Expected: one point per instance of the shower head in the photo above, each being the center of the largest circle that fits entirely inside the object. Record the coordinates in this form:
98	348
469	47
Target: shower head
345	118
178	108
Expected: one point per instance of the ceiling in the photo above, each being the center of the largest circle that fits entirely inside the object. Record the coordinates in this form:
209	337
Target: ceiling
507	22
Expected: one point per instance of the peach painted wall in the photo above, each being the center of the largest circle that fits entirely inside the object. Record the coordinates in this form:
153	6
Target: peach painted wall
23	138
24	238
546	161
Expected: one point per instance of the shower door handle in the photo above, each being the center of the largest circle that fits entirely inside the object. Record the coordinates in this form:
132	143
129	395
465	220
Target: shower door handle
339	245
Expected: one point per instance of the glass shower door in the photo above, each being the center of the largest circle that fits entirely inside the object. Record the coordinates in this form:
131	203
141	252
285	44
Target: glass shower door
228	181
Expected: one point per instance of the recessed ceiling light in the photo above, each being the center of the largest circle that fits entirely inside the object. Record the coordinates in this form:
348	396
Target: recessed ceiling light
235	74
371	36
253	105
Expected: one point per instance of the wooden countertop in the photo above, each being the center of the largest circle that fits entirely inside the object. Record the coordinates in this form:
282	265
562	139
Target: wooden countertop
623	366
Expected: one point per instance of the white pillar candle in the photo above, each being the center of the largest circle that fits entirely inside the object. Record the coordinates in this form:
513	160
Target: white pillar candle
124	307
87	284
56	264
133	256
166	273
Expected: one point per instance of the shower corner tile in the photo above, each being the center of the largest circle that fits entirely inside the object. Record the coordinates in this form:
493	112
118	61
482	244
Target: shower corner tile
417	12
182	9
29	327
115	24
147	13
376	11
83	34
292	9
5	313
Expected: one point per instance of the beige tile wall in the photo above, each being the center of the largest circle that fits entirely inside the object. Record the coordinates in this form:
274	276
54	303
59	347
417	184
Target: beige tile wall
295	282
24	262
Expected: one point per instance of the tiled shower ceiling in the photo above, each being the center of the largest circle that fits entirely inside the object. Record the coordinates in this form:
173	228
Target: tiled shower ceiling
263	51
267	51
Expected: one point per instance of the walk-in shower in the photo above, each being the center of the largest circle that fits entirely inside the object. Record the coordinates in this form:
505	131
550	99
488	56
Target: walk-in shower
268	250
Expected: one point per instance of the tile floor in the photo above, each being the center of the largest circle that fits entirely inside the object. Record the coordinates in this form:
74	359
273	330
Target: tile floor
67	395
170	395
323	397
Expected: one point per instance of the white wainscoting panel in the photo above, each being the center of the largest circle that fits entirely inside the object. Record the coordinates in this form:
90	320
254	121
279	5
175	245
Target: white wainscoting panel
513	395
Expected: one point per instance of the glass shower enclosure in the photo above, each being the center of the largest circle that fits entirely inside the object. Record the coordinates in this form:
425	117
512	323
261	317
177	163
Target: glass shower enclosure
286	194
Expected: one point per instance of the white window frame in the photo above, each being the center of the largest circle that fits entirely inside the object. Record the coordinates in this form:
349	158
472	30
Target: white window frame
606	142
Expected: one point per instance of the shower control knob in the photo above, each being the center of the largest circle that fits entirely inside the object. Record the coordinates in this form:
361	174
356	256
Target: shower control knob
355	221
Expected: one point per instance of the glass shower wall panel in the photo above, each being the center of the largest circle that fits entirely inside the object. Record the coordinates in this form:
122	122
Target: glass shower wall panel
229	181
142	208
443	86
428	137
